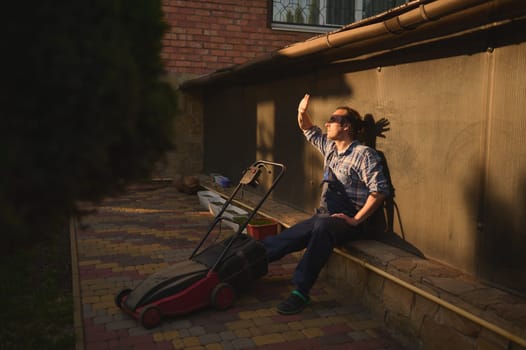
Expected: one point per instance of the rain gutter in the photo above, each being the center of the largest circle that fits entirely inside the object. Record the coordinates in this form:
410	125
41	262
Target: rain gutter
439	17
410	20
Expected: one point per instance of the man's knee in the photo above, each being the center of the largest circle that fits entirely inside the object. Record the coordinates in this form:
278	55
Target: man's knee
272	248
322	232
333	230
321	223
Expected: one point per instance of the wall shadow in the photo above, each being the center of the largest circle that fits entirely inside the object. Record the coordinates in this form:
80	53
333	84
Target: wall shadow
229	136
500	234
380	226
300	186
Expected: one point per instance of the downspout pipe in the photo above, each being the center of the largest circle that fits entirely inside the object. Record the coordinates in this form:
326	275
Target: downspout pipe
410	20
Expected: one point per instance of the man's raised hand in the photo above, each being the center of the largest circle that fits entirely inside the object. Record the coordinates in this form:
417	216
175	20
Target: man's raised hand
304	104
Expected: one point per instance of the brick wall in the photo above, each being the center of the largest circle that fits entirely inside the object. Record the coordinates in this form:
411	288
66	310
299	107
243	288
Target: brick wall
209	35
206	36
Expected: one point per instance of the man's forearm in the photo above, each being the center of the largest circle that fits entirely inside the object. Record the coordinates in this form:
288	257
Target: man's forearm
373	202
304	121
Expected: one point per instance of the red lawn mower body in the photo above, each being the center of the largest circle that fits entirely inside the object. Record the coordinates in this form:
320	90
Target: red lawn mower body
211	276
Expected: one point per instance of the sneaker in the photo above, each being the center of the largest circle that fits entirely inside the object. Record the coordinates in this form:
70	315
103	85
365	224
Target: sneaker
294	304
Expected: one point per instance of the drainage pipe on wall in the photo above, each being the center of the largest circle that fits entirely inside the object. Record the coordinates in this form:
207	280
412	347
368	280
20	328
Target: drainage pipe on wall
439	15
410	20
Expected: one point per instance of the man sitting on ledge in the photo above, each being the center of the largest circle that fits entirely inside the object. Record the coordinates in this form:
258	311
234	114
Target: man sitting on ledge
354	186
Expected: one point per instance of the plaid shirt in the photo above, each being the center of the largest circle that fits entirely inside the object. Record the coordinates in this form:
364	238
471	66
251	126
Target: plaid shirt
359	168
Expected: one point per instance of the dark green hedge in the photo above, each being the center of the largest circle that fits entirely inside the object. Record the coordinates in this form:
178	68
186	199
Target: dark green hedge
85	110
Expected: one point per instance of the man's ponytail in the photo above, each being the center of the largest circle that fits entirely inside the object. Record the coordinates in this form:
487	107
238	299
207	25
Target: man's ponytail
354	119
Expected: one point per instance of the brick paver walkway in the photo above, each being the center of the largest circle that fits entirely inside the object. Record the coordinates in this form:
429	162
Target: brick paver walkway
125	239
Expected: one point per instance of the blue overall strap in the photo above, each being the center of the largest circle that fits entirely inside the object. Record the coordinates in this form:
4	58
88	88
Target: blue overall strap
334	198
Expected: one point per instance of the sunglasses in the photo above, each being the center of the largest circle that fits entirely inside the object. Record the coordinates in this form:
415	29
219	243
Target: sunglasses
338	119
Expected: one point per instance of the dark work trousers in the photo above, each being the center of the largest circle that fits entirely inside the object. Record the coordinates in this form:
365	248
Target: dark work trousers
319	234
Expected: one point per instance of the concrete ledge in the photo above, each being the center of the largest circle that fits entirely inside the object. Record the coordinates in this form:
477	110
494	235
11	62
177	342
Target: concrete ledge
426	304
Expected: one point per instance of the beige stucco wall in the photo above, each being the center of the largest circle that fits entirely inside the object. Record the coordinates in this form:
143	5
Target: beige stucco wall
433	149
455	151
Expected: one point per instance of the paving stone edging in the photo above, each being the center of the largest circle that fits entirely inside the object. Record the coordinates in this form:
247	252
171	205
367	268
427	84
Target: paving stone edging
75	281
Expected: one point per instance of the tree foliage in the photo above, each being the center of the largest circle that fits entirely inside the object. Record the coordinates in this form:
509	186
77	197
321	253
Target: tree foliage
85	107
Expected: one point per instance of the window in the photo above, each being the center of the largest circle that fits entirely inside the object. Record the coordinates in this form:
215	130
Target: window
325	15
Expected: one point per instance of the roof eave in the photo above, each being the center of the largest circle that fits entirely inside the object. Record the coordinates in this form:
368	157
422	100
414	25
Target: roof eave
418	21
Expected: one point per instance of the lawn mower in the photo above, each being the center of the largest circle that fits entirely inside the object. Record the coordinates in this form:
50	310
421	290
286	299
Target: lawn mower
213	273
